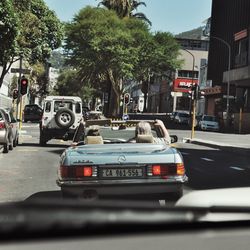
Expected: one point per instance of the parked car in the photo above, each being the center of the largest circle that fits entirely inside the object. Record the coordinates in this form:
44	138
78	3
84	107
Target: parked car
209	122
61	117
14	126
172	115
115	167
6	136
182	118
32	112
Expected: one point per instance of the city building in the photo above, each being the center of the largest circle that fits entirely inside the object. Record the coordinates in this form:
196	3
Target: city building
167	96
229	62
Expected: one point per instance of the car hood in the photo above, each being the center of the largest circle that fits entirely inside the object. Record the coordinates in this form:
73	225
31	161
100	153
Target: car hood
122	154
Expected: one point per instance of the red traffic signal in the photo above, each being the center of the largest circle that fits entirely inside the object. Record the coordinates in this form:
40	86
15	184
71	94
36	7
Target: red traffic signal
126	98
23	86
15	94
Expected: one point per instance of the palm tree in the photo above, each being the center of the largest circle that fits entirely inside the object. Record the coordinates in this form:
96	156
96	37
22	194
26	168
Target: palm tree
125	8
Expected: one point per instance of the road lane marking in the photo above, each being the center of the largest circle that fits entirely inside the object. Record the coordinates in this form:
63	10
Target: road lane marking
207	159
27	150
237	168
184	153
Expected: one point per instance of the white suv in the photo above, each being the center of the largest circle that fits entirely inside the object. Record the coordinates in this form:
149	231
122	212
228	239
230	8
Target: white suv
61	117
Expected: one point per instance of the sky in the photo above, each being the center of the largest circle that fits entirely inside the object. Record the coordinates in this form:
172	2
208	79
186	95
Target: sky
173	16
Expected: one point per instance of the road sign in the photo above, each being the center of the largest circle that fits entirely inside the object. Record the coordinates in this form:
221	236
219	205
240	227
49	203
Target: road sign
17	70
229	97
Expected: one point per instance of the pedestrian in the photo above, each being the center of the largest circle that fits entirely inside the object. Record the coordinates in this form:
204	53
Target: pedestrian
79	134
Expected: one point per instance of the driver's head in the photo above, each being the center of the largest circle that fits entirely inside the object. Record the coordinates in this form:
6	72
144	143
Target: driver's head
143	128
93	131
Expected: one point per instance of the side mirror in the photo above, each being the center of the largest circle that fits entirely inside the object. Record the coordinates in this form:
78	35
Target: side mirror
174	138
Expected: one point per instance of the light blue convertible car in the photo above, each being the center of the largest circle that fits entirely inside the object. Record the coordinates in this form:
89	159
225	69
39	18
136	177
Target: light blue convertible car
109	166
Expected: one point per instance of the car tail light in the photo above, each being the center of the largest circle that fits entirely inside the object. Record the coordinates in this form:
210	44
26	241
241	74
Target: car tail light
64	171
76	171
180	169
167	169
156	170
2	125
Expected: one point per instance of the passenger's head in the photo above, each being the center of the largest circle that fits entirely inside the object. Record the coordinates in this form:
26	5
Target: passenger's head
93	131
143	128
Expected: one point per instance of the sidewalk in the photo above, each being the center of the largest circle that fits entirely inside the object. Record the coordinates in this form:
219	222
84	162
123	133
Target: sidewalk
228	142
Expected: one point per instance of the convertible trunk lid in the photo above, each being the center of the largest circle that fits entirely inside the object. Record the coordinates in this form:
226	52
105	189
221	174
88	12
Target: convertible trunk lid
121	154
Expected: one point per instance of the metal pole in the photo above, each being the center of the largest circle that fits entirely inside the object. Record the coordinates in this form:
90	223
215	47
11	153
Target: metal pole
193	119
194	101
19	86
240	121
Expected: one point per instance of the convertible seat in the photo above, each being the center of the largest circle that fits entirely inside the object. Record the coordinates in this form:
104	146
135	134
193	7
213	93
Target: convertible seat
144	139
94	140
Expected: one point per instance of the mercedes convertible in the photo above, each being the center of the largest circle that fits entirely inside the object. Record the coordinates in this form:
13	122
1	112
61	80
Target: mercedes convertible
110	164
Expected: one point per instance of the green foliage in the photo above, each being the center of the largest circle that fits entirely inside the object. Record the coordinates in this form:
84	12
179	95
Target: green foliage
99	42
191	34
125	8
69	84
9	28
57	59
29	28
104	48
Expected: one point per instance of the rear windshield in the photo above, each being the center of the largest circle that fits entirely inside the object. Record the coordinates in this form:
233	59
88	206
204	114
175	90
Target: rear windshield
62	104
210	118
183	115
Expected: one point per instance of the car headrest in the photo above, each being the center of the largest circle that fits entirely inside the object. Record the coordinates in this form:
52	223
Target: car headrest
144	139
94	140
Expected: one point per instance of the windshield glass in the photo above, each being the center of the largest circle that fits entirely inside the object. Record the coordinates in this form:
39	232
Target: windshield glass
210	118
94	87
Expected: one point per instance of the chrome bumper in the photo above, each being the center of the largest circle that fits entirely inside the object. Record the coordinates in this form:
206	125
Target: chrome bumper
145	187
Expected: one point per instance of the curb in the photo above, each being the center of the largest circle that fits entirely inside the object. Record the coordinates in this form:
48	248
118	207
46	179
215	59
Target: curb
228	148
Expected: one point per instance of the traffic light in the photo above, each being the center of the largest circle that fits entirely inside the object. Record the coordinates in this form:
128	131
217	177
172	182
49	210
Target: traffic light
15	94
201	95
126	98
23	85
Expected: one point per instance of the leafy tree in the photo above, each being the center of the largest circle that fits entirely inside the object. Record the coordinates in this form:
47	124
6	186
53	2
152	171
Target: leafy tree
69	82
9	28
57	59
125	8
99	43
158	58
40	32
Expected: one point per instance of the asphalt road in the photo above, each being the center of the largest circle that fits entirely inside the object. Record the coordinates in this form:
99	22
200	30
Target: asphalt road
30	171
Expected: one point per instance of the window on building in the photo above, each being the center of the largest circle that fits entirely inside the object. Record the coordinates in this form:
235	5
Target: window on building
242	56
188	74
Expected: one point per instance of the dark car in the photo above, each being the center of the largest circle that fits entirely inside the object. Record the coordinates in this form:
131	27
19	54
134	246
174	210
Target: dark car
32	112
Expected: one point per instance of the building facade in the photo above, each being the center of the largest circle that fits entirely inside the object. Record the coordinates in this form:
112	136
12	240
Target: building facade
229	59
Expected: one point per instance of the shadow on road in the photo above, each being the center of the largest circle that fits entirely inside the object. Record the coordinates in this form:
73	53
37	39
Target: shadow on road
32	144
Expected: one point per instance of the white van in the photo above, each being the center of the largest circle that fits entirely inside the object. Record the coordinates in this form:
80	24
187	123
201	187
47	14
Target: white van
61	117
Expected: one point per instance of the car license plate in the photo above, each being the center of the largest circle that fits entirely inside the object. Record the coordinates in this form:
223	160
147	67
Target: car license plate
122	172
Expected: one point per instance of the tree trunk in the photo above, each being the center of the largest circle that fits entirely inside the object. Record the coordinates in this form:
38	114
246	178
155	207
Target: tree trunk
4	72
116	93
145	102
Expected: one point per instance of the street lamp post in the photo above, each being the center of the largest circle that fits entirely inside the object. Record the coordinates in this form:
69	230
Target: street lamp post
228	78
194	101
